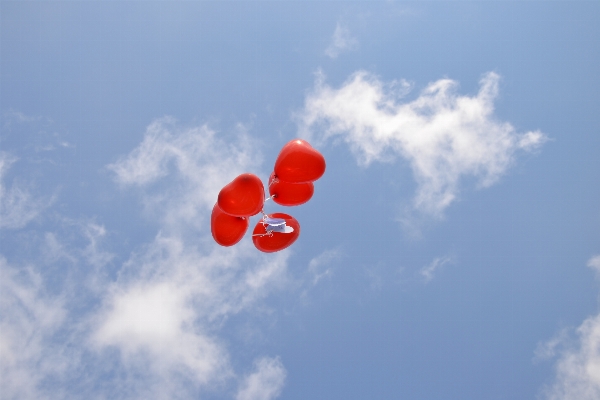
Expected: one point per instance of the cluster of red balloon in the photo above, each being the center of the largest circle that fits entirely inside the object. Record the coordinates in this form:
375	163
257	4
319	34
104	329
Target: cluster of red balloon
291	184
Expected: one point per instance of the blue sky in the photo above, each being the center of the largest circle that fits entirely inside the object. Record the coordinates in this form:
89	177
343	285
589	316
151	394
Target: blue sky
451	250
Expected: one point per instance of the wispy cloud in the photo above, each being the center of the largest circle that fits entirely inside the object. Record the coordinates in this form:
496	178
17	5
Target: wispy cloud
199	163
18	206
594	263
29	319
154	325
18	116
578	365
548	349
170	302
54	251
444	136
34	132
428	271
265	383
44	304
174	294
320	266
341	41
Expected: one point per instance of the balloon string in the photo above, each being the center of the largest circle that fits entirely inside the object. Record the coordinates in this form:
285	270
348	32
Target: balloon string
274	180
268	232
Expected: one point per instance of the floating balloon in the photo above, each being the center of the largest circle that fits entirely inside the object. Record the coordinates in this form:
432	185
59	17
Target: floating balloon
242	197
275	232
226	229
299	162
290	194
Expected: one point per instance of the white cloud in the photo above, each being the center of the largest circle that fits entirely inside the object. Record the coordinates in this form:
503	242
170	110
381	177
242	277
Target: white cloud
42	318
19	116
35	132
594	263
18	206
578	365
429	271
174	295
320	266
29	317
170	302
265	383
444	136
200	163
578	368
341	41
548	349
77	248
156	322
153	328
93	253
54	251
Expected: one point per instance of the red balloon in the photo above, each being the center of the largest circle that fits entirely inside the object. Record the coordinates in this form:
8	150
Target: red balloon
275	241
242	197
299	162
225	229
290	194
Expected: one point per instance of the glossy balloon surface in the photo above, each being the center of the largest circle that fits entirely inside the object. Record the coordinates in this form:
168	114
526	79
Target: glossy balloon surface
226	229
299	162
290	194
242	197
276	241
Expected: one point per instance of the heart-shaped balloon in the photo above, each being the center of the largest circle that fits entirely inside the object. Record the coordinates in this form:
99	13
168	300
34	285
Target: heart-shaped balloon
226	229
270	242
299	162
290	194
242	197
